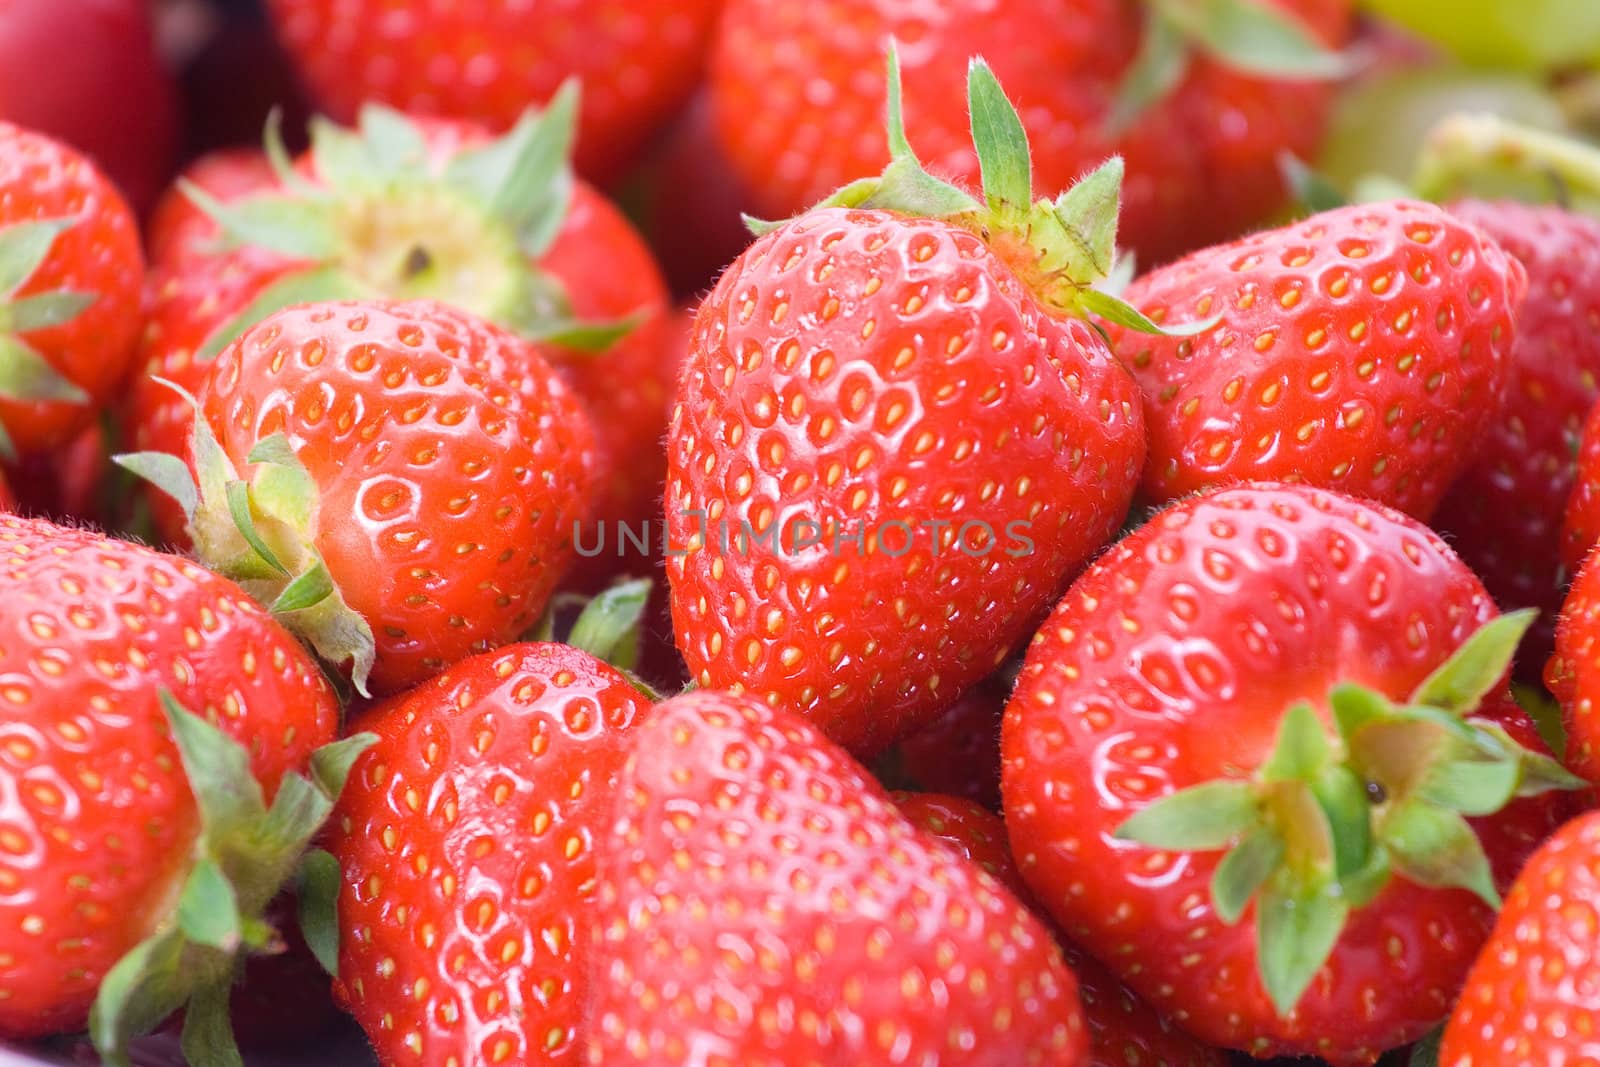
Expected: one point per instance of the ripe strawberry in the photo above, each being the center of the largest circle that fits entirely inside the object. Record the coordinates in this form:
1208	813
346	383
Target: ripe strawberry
138	847
1365	349
764	904
896	438
1179	702
1573	673
429	209
1122	1028
399	481
637	60
1580	523
799	118
71	484
107	92
468	838
69	290
958	752
1503	514
1529	999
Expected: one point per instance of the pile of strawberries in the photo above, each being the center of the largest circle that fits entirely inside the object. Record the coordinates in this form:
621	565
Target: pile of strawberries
988	623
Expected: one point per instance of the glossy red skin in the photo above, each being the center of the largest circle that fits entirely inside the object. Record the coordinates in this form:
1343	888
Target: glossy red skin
98	817
1301	380
1573	673
798	97
111	96
1122	1028
1503	514
473	825
766	905
43	178
1580	524
1530	998
1170	663
959	752
451	465
488	61
902	361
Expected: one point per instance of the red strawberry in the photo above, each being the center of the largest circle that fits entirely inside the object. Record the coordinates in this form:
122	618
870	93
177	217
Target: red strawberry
1529	999
468	838
1504	513
637	60
437	210
89	73
1365	349
7	501
70	483
896	438
135	848
1178	702
958	752
1122	1028
411	478
1580	524
797	113
69	290
1573	673
764	904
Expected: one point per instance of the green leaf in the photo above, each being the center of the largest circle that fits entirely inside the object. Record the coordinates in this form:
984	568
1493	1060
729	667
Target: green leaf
208	910
330	764
27	376
281	485
1435	847
1199	818
1156	70
1342	796
524	177
1243	871
317	890
218	769
1255	38
208	1039
315	286
1301	750
394	145
238	494
894	113
1087	215
293	226
609	618
1425	1053
1001	143
140	990
1545	712
1311	189
1355	706
299	809
166	472
44	310
1472	787
283	167
1295	934
273	448
1116	310
1475	669
907	188
309	588
24	246
589	337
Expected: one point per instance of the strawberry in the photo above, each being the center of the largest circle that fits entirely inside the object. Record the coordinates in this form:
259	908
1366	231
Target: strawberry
69	290
8	502
90	73
1122	1028
409	442
1580	522
896	437
764	904
1529	998
958	752
1365	349
468	840
436	210
139	848
1573	673
637	60
1503	514
1165	85
1179	702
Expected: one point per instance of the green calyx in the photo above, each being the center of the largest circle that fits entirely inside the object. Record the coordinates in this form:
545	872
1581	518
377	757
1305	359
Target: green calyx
1486	154
25	375
246	852
1064	248
1327	821
383	219
258	528
1249	36
605	625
